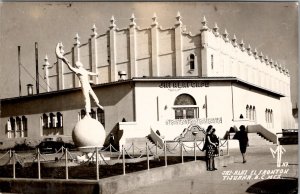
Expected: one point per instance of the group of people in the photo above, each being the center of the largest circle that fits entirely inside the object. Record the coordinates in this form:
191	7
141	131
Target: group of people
211	145
211	148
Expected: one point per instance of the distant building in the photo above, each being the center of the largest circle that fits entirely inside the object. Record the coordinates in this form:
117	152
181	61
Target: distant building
157	79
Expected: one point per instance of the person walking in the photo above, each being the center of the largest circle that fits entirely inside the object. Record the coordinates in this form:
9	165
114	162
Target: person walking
242	136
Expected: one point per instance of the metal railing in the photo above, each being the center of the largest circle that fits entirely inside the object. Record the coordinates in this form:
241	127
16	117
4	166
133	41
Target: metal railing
134	153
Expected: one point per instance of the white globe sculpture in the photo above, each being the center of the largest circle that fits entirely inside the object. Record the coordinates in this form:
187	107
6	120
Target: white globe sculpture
88	133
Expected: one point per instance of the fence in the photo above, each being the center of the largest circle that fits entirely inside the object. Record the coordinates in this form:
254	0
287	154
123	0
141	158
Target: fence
132	154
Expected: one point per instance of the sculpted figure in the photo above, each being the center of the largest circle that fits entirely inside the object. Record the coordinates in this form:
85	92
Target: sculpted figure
83	76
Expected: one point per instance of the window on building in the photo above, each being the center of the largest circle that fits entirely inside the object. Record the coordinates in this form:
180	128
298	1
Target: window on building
24	127
254	113
82	113
59	117
185	107
45	121
11	127
271	116
250	113
192	61
247	111
93	114
16	127
52	124
101	116
52	120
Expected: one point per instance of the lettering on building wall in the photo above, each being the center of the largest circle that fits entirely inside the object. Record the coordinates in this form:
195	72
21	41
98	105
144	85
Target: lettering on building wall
199	121
183	84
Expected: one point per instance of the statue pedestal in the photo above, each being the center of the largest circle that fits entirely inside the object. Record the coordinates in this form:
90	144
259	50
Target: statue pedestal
88	133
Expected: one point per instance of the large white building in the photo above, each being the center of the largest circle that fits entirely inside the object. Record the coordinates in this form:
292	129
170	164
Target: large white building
161	79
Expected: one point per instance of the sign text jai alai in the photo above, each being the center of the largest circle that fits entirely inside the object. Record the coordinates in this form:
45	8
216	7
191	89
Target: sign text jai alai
183	84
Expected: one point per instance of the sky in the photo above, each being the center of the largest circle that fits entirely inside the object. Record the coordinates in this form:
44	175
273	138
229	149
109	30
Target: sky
270	27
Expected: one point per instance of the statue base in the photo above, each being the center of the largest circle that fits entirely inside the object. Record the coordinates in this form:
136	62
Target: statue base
88	133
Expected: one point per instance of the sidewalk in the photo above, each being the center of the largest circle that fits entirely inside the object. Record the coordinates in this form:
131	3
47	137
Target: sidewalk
259	162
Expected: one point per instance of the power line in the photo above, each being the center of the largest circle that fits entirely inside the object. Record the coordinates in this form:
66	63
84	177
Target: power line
31	75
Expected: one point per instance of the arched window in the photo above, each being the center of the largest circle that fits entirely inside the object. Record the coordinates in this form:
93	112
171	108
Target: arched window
59	119
93	114
192	61
19	124
254	113
82	113
266	115
185	107
24	127
45	121
247	111
9	129
250	113
24	123
184	99
100	116
13	123
52	120
271	116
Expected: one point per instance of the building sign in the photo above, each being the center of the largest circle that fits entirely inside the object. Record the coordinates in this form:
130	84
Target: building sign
182	84
199	121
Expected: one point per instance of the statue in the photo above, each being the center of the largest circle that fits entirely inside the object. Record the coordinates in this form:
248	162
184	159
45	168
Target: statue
88	132
83	76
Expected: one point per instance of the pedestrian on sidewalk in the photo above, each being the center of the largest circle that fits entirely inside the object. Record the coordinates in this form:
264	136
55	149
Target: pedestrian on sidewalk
215	142
242	136
210	148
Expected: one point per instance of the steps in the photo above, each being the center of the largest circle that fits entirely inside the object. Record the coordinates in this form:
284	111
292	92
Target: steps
137	145
255	139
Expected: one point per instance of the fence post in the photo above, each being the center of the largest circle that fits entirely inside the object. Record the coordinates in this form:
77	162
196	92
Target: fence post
165	152
14	163
110	149
123	153
67	167
132	149
39	163
195	150
219	141
10	154
97	164
156	148
147	151
227	146
181	152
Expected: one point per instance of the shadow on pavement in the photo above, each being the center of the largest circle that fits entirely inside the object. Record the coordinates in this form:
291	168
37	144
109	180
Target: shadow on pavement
275	186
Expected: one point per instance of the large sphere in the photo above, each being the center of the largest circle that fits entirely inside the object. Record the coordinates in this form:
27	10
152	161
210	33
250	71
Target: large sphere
88	132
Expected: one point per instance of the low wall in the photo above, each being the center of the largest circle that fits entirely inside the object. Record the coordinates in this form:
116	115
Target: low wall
111	185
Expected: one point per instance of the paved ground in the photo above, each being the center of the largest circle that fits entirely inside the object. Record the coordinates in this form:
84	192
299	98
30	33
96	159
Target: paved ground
259	161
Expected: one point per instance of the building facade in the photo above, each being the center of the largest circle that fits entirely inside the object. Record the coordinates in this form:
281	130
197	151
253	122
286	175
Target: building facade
159	79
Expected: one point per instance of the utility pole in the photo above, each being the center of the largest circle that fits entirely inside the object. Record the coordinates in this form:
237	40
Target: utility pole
19	64
37	67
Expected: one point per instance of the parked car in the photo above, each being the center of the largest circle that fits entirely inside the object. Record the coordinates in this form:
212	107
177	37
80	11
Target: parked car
53	146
